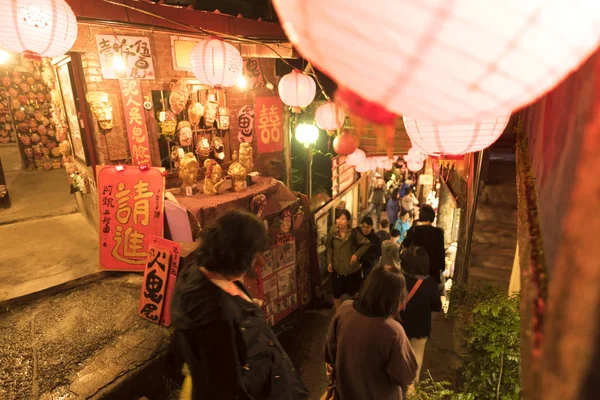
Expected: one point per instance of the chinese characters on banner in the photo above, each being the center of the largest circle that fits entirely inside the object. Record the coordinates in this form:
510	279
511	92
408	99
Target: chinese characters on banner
136	122
159	280
131	212
269	124
133	50
253	73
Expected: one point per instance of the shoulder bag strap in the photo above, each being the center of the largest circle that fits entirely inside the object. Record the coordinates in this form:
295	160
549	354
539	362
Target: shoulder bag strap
411	294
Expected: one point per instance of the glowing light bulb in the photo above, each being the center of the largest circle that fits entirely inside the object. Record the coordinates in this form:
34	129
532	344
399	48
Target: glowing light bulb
307	134
118	63
4	56
270	86
241	82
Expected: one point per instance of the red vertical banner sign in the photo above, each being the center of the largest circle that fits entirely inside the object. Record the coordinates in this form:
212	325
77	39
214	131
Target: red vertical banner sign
154	286
137	134
131	212
269	124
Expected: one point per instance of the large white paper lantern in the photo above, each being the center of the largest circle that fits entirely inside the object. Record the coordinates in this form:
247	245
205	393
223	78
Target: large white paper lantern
38	28
297	90
216	63
330	117
453	139
415	155
445	61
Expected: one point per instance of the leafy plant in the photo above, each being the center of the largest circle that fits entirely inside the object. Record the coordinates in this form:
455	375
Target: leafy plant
464	298
492	370
429	389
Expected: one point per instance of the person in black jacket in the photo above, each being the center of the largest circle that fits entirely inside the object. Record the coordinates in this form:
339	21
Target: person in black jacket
371	257
416	313
431	238
230	351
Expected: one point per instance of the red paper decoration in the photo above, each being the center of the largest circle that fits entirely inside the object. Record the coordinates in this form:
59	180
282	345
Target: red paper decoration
444	61
329	117
39	28
344	144
216	63
297	90
453	139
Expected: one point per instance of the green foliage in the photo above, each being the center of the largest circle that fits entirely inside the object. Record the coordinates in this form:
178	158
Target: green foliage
492	370
464	298
429	389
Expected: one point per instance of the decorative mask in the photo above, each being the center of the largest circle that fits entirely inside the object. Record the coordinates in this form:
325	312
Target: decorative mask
210	113
24	87
20	115
179	97
6	81
245	124
195	113
45	151
44	139
35	138
29	110
184	130
218	149
51	133
56	152
203	148
23	127
30	80
25	139
169	125
52	144
56	164
23	99
41	97
65	148
13	92
245	156
188	171
223	121
28	152
213	176
42	130
101	108
39	115
15	104
238	176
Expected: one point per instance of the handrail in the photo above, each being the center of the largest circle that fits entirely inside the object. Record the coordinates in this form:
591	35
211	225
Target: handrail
336	200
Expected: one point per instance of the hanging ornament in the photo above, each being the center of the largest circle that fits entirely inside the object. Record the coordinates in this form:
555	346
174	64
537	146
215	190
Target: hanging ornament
367	115
179	96
37	28
453	139
415	155
297	90
356	158
195	113
216	63
445	61
344	144
330	117
414	166
184	131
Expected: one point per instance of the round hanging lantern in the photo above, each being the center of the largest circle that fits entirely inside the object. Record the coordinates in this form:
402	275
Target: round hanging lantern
307	134
216	63
37	28
454	139
344	144
356	158
414	166
297	90
415	155
330	117
445	61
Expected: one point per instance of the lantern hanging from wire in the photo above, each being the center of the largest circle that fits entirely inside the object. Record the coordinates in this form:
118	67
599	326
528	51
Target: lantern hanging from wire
414	166
216	63
415	155
443	61
330	117
297	90
344	144
454	139
37	28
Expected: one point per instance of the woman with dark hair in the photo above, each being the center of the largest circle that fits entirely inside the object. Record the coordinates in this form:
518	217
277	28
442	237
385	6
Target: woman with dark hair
366	347
230	351
423	298
344	251
393	207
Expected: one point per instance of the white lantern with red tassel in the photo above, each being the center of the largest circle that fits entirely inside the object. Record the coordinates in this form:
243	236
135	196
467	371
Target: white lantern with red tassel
297	90
37	28
216	63
444	61
454	139
330	117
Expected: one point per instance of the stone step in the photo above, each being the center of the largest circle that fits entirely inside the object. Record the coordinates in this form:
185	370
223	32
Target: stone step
506	240
493	248
489	275
492	261
492	214
505	194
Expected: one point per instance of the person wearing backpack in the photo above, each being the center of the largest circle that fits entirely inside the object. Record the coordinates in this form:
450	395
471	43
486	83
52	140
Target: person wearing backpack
423	299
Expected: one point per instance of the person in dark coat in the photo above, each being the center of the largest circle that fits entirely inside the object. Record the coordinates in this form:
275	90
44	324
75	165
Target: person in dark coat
416	314
393	207
230	351
366	347
424	234
372	255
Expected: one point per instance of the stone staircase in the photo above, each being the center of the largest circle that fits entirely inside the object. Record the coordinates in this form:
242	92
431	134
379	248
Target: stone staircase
495	231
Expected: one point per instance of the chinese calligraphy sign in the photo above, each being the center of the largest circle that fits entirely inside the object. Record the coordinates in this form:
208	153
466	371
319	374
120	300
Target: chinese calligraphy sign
135	121
133	50
269	124
131	212
155	283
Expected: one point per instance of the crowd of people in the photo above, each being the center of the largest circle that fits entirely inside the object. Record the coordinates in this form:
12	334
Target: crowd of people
385	277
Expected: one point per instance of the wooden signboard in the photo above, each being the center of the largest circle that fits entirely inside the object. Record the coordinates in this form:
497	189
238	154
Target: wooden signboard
155	283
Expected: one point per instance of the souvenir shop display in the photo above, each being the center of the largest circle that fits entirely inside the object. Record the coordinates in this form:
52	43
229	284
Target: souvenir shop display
101	108
237	172
188	173
245	157
212	176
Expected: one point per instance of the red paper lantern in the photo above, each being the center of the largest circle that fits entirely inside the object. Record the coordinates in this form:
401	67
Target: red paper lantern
297	90
344	144
39	28
329	117
216	63
453	139
443	61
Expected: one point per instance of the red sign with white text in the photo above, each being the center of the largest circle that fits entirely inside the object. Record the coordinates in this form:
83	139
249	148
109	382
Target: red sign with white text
131	212
135	121
269	124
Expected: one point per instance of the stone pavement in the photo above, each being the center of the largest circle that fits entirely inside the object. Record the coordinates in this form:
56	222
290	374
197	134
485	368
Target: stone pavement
82	344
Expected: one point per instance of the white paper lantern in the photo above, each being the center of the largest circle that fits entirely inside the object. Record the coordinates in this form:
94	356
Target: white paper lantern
356	158
414	166
415	155
330	116
216	63
459	61
39	28
454	139
297	90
